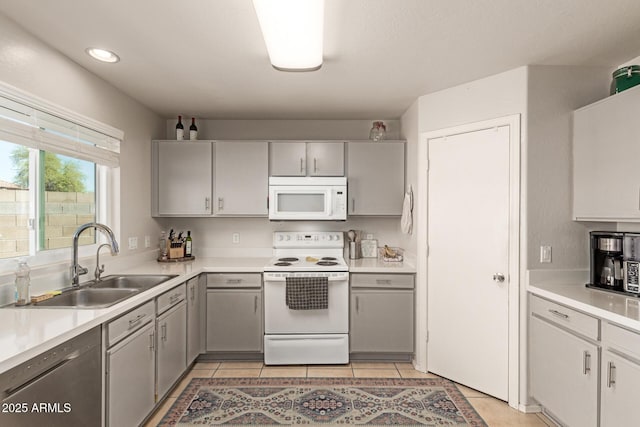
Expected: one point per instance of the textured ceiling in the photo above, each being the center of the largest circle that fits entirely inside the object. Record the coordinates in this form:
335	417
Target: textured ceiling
206	58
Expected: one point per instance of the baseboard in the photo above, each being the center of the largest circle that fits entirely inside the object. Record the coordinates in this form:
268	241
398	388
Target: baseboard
230	356
529	408
381	357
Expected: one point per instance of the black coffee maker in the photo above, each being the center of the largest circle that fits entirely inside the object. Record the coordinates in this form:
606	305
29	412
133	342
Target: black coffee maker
606	260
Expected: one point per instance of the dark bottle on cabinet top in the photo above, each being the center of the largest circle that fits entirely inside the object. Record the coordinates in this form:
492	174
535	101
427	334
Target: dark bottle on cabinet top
179	129
193	129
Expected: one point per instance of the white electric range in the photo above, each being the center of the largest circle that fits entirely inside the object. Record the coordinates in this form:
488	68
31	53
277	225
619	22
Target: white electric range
317	336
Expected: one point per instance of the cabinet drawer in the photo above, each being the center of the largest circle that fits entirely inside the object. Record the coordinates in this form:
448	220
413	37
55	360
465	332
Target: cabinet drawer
621	339
127	323
565	316
396	281
171	298
234	280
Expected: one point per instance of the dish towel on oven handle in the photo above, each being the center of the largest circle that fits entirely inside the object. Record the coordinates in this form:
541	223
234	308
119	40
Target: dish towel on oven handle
307	293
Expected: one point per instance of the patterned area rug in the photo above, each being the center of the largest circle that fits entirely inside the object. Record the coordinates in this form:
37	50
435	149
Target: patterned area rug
328	401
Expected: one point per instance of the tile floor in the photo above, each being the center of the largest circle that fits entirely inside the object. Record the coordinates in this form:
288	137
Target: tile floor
495	412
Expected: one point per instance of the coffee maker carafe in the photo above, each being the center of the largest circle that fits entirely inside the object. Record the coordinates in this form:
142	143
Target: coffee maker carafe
606	260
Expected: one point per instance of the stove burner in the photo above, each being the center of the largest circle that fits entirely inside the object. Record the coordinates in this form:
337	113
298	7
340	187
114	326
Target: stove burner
326	262
328	258
282	264
290	259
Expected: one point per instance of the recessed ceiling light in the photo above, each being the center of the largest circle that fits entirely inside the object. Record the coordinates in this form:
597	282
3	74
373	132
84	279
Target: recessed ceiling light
292	31
102	54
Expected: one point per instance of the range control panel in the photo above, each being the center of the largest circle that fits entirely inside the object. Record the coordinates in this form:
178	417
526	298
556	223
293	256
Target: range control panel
314	239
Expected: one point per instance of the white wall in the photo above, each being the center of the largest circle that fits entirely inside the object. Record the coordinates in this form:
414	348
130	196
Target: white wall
29	64
212	236
554	92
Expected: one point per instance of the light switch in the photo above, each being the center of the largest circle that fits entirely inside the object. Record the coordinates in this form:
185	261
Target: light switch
235	237
545	254
147	241
133	243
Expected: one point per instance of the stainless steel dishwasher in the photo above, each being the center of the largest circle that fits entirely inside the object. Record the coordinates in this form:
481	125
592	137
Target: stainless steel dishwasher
61	387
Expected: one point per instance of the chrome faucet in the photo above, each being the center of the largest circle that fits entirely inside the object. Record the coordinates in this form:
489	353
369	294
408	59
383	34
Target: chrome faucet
100	268
77	269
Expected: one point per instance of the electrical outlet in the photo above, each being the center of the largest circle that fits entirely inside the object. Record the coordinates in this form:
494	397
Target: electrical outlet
147	241
545	254
235	238
133	243
369	236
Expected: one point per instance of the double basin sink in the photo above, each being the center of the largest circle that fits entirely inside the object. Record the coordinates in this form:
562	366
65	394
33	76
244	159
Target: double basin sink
105	292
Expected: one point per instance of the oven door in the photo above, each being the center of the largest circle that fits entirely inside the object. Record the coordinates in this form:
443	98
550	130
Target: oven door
279	319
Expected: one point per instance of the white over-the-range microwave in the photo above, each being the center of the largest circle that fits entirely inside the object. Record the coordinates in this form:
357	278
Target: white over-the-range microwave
308	198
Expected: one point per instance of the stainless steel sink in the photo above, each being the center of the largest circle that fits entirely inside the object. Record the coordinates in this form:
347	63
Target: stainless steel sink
140	282
88	298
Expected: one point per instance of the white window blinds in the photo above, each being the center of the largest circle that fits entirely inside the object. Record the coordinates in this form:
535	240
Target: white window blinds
33	123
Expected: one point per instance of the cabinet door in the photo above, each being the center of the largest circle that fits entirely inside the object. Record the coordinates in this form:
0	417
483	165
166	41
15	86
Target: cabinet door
375	175
234	320
564	374
172	343
287	159
184	173
381	321
606	177
131	378
325	158
194	330
241	178
620	388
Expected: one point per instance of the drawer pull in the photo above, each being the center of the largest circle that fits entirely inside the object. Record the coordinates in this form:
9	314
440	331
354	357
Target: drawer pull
558	314
138	318
611	368
586	363
383	282
234	281
174	298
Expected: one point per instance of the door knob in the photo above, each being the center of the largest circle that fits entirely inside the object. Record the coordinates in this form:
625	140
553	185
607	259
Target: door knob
498	277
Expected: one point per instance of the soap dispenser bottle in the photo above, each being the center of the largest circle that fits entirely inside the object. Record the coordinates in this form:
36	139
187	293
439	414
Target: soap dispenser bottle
22	283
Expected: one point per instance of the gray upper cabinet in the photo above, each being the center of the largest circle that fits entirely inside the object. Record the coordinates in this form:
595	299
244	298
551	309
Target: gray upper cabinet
181	178
606	178
241	178
299	158
375	176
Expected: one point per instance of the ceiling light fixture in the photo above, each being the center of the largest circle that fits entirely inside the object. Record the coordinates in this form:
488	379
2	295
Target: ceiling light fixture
292	31
102	54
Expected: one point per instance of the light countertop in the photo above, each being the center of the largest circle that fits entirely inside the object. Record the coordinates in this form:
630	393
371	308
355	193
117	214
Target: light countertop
27	332
616	308
377	265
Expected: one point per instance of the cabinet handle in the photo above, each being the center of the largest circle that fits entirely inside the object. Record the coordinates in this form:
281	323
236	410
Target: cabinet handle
301	165
220	203
357	304
152	340
163	330
610	375
234	281
315	165
206	203
193	293
353	205
383	282
255	304
586	363
138	318
174	298
558	314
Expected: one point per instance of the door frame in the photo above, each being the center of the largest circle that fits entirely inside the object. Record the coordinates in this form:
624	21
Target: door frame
513	121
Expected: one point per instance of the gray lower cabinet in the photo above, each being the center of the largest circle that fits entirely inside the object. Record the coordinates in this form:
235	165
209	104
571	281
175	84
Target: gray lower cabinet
563	362
234	313
195	317
382	307
131	367
171	326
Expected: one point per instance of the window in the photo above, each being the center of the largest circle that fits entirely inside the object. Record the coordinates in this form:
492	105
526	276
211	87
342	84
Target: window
55	169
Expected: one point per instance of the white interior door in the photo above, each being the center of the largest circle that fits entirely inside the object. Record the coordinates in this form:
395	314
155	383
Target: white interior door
468	251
